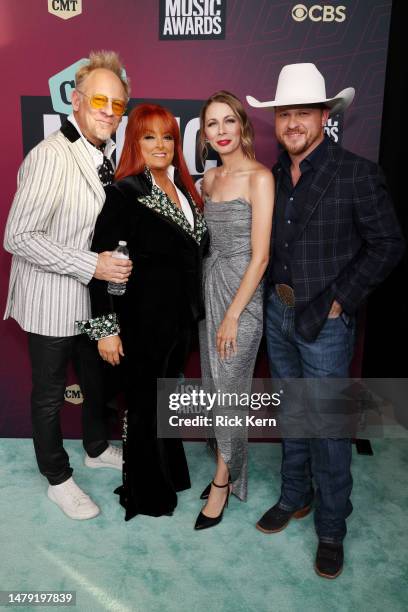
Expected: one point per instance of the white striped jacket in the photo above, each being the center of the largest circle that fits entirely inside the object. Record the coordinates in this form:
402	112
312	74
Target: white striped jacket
49	232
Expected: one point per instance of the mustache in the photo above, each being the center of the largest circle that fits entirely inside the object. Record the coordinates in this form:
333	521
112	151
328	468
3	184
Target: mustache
290	132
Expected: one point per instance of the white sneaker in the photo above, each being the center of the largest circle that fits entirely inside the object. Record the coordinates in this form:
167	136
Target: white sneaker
72	500
110	458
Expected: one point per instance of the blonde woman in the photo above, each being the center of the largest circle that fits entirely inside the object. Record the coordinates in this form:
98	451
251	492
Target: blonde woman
238	205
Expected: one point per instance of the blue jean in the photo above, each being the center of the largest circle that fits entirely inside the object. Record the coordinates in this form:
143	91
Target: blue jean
326	461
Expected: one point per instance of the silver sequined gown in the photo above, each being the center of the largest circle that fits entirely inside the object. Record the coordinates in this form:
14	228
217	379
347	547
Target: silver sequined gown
229	224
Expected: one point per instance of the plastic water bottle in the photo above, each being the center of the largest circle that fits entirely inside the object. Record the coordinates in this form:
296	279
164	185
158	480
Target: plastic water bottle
121	252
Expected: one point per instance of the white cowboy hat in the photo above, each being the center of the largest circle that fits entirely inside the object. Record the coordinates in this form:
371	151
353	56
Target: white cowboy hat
300	84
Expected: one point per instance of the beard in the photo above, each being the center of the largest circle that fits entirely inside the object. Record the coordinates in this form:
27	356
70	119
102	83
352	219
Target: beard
295	145
299	144
102	132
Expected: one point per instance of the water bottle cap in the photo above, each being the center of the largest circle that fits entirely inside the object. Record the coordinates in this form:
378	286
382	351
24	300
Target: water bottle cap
122	243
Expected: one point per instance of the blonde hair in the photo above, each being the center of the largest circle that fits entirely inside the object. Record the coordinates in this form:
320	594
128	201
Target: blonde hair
109	60
247	130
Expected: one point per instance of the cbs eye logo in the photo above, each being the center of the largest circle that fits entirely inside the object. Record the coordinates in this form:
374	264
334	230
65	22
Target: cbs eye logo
326	13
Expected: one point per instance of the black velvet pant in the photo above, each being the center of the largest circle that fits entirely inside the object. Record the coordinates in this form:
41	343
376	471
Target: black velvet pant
50	357
154	469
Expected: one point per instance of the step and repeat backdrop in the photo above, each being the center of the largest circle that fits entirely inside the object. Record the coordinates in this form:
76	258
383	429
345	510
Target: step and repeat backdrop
176	53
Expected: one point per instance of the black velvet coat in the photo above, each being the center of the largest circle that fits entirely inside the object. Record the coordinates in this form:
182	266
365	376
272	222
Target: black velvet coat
163	300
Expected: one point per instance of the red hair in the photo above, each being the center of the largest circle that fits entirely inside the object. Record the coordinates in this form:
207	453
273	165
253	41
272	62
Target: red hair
131	160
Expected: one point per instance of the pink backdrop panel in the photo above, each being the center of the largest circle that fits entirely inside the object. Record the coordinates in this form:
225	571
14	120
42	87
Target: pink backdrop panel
260	38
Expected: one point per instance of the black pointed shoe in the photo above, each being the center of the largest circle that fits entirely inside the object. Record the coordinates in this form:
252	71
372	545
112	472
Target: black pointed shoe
276	518
203	521
329	559
206	492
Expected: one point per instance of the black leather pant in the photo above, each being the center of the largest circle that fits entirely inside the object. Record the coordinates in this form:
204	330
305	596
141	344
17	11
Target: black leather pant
50	357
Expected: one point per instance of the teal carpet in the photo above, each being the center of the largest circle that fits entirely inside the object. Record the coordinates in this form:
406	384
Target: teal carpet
151	564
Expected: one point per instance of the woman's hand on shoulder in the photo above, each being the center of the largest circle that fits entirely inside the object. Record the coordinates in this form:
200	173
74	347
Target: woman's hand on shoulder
111	349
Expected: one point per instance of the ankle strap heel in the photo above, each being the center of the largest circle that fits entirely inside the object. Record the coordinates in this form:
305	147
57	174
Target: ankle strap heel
223	487
203	521
219	486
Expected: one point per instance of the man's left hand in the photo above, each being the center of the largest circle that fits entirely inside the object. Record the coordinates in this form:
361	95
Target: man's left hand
335	310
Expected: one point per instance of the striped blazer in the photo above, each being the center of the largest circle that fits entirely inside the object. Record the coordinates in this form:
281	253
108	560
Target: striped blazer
49	232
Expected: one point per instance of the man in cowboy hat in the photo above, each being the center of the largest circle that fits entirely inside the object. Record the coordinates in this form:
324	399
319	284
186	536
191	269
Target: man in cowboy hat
335	238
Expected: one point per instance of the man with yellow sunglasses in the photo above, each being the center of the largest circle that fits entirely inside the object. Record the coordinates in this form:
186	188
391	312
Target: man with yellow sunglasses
49	233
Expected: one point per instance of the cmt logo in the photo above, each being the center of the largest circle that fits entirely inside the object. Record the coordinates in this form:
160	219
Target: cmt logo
317	12
65	9
61	86
73	395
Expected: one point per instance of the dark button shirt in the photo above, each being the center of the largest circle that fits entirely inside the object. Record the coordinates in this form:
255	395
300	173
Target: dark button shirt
288	207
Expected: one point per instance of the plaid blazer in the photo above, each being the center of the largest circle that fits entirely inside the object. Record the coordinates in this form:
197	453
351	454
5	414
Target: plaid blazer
347	241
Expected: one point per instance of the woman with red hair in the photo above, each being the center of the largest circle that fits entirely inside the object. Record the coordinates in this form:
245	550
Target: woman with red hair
155	208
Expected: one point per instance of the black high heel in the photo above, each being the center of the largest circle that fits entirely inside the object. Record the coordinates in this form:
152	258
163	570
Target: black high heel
203	521
206	492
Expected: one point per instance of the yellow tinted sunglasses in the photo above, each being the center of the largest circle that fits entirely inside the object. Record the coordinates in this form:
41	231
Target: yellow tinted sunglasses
98	101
